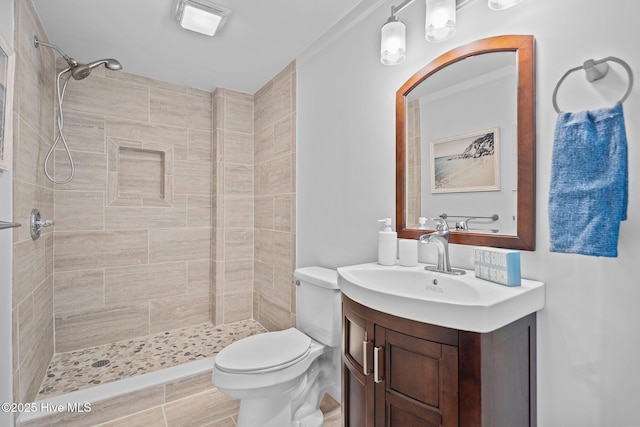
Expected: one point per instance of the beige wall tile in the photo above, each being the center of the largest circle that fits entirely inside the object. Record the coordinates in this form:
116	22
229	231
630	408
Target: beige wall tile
272	317
238	307
200	146
84	132
79	210
282	295
227	422
153	417
125	285
238	277
284	136
199	211
178	312
169	107
264	212
200	409
199	278
90	171
283	215
238	211
276	176
263	278
124	217
238	147
188	386
78	289
238	244
264	140
106	410
28	268
29	152
192	178
238	179
109	97
238	112
98	249
144	81
282	104
180	244
263	107
150	132
88	328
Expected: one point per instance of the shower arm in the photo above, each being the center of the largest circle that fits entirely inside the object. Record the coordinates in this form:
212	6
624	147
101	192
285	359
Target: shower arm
37	42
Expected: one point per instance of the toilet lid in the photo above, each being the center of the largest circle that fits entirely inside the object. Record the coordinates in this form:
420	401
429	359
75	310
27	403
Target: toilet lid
264	351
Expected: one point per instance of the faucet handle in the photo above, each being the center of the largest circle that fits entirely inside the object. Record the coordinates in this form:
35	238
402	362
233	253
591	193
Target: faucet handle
441	224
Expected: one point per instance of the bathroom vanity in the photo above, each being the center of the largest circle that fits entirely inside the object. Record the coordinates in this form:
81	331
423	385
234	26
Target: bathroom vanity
400	372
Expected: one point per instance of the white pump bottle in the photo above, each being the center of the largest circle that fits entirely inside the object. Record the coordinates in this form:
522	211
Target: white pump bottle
387	244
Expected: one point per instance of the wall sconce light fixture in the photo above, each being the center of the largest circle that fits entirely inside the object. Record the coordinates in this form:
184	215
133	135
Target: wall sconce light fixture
440	25
201	16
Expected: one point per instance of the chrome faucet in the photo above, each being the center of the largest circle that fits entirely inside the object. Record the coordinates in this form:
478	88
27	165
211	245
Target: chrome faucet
441	238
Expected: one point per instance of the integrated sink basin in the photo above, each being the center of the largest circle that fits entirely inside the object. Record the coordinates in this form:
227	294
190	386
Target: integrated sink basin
459	302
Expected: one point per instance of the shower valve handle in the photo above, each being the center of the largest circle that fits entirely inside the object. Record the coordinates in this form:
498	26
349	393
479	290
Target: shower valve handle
36	224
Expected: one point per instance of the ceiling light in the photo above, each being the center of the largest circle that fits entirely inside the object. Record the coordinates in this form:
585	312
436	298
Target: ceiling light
440	25
393	42
201	16
440	20
502	4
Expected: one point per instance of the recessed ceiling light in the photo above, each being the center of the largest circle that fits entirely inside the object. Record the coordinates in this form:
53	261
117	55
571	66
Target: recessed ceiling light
201	16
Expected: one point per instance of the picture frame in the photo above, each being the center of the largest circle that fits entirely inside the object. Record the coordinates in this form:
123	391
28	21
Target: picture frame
468	162
7	74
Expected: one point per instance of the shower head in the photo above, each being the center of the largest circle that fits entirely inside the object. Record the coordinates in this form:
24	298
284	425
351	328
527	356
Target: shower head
81	71
78	70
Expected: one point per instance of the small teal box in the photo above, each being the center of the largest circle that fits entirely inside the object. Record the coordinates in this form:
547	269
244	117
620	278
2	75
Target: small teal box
498	265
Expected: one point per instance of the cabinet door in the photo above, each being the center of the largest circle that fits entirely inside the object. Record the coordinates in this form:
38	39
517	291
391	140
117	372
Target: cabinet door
357	384
419	385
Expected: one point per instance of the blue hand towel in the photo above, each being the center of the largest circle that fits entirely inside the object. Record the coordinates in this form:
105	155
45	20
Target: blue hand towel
589	182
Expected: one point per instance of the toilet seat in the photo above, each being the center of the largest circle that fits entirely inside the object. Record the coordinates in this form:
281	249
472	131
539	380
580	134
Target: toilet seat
277	350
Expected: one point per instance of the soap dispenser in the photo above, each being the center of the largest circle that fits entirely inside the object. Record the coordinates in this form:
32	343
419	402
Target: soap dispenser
387	244
422	221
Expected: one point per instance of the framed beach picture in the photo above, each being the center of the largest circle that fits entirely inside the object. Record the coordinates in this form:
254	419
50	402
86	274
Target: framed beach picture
7	67
466	163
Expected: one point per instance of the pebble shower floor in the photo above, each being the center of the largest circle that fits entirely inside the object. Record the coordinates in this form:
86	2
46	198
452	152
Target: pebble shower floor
73	371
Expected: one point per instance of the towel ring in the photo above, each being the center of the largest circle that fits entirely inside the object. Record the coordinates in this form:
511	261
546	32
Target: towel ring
595	71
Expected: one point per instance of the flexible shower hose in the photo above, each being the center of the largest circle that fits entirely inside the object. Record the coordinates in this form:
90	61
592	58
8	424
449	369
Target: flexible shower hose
60	135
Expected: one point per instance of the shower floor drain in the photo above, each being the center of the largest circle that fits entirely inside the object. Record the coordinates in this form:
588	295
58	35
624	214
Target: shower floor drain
100	363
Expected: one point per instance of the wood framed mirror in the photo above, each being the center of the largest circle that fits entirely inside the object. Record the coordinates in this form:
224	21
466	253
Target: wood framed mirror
478	172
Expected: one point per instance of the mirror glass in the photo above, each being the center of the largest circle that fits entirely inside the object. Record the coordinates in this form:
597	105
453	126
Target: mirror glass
465	133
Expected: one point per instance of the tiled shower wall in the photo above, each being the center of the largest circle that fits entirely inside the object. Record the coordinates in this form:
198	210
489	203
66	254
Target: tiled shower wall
233	200
133	229
254	220
32	292
275	201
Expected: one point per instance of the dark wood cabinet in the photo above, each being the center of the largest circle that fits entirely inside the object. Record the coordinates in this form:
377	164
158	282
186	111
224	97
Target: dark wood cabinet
402	373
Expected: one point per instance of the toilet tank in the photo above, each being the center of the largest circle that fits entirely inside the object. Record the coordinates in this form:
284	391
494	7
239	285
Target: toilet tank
318	304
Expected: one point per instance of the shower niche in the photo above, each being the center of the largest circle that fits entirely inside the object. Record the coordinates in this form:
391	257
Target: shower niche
139	174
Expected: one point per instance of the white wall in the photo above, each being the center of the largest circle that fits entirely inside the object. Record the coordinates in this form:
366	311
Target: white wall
588	339
6	370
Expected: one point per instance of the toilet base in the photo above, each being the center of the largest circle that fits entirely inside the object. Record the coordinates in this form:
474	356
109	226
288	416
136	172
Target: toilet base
300	407
274	412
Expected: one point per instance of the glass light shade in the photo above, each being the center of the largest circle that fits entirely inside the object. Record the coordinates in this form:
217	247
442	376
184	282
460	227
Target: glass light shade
393	43
199	20
440	20
201	16
502	4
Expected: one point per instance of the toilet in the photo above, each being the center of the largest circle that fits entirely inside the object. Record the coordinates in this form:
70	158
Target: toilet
280	377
